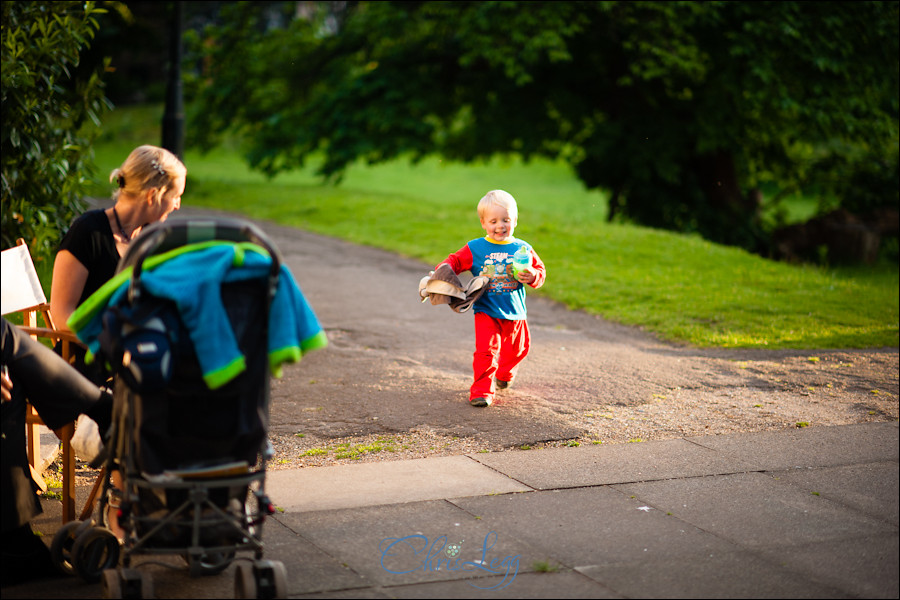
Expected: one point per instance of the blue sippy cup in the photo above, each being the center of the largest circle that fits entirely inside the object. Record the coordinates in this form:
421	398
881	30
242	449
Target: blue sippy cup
521	260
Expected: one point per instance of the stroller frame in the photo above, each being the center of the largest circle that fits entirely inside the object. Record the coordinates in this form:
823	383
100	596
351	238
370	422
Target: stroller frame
227	498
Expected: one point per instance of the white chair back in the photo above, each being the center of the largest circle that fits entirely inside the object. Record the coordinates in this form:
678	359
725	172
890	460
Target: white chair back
20	287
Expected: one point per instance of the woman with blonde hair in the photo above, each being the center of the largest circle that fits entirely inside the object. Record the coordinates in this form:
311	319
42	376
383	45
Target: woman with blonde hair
149	185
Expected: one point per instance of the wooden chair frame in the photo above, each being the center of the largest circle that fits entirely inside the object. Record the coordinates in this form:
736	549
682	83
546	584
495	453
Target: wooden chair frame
33	421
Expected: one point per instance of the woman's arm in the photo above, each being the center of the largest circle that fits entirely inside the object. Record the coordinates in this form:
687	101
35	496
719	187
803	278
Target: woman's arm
69	278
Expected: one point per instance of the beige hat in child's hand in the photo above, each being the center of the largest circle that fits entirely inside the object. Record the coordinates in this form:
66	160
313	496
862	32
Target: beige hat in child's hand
438	291
474	289
443	286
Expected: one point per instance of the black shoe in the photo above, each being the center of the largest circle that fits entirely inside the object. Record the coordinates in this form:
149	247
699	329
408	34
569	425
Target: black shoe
502	385
480	402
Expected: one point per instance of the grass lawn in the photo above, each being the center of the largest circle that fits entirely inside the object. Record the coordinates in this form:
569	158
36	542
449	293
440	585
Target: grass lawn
680	287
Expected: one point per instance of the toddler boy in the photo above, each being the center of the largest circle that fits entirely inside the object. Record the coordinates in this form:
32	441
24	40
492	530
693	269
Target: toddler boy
502	339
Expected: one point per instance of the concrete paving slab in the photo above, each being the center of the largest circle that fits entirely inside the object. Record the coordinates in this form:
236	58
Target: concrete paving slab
369	484
718	575
419	542
755	510
310	569
169	576
554	468
59	588
864	567
871	488
174	580
806	447
592	526
527	585
824	530
50	447
365	594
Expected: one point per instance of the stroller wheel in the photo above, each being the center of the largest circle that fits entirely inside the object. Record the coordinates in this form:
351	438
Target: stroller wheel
63	541
244	581
271	579
129	583
112	585
209	563
95	550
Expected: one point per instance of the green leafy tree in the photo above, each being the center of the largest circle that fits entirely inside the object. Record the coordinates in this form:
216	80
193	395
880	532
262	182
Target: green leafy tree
49	118
683	111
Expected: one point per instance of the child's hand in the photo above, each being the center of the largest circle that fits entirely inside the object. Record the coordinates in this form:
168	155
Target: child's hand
526	276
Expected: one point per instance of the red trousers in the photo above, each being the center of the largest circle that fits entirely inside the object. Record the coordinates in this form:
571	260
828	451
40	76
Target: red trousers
500	345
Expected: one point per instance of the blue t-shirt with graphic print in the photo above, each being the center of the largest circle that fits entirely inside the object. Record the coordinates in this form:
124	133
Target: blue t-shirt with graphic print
505	296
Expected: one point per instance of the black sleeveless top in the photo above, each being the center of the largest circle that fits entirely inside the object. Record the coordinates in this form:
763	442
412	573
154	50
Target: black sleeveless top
90	240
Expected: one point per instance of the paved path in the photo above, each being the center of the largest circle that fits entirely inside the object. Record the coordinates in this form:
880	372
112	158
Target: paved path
396	365
806	513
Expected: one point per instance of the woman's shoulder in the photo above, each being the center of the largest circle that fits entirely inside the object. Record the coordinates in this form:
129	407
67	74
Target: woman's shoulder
90	218
90	222
87	225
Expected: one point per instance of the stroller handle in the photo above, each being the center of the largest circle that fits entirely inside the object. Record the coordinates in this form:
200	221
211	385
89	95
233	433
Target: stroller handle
179	231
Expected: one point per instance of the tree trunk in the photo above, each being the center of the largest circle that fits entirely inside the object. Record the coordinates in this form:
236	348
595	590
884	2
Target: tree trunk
717	177
727	216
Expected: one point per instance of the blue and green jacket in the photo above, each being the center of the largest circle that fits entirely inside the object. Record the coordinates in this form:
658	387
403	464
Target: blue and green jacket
191	276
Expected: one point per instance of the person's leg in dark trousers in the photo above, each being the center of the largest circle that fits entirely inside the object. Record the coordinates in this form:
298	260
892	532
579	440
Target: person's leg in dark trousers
60	394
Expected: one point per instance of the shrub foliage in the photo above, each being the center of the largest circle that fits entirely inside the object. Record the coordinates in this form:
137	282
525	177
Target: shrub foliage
51	113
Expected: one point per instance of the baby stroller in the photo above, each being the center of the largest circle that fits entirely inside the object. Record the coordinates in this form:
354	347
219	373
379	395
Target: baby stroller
190	415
